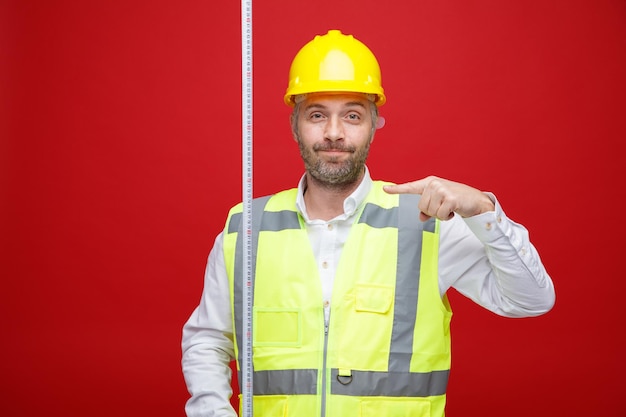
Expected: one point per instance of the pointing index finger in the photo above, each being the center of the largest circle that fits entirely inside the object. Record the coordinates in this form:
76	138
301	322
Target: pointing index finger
414	187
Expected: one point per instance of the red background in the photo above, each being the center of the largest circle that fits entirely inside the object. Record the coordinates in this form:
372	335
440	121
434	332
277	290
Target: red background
120	155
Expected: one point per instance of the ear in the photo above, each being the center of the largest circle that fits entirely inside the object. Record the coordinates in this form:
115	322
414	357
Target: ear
294	134
380	123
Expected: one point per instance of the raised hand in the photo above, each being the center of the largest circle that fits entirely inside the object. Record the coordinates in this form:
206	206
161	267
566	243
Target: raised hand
442	198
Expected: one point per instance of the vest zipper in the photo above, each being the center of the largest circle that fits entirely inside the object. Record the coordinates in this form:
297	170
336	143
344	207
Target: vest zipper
324	370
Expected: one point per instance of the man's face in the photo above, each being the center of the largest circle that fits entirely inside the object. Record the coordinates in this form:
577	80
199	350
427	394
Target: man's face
334	132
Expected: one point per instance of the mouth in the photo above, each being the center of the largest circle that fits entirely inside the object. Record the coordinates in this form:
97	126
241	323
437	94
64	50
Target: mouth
334	155
333	149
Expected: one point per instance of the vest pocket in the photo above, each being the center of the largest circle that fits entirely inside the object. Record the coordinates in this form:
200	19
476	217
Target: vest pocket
268	405
277	327
401	407
362	328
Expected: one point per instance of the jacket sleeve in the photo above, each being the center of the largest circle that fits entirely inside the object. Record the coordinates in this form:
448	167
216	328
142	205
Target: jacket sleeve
207	344
490	259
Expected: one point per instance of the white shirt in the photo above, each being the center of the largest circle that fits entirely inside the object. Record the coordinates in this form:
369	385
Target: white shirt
488	258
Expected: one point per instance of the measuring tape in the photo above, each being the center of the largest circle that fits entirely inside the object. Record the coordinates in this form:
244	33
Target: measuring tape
245	385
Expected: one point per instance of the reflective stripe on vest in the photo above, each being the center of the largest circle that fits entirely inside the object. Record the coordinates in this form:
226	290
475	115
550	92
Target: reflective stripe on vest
398	381
364	383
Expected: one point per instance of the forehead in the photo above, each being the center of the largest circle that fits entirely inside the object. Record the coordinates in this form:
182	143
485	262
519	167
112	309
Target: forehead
335	100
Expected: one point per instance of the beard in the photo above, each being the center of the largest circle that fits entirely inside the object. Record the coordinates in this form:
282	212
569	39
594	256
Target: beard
334	172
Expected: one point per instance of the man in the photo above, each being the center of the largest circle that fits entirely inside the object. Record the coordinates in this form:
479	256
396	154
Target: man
350	316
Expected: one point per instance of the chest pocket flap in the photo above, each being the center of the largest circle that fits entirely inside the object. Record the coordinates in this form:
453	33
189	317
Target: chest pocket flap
373	298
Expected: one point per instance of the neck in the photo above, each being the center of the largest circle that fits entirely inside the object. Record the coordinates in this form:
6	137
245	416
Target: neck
325	201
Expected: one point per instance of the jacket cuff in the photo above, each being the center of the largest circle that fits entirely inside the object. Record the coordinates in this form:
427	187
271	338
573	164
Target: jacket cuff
491	225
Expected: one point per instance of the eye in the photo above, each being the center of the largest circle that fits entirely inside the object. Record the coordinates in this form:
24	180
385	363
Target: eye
353	116
316	116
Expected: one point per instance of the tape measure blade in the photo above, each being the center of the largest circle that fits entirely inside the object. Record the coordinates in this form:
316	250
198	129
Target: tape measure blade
246	385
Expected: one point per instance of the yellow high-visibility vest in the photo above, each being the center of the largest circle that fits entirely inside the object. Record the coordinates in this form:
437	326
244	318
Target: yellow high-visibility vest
386	350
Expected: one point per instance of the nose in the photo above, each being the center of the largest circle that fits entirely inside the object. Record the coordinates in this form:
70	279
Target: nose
334	129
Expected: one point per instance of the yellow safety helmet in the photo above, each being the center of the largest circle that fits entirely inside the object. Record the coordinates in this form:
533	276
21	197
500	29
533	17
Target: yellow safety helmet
335	62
